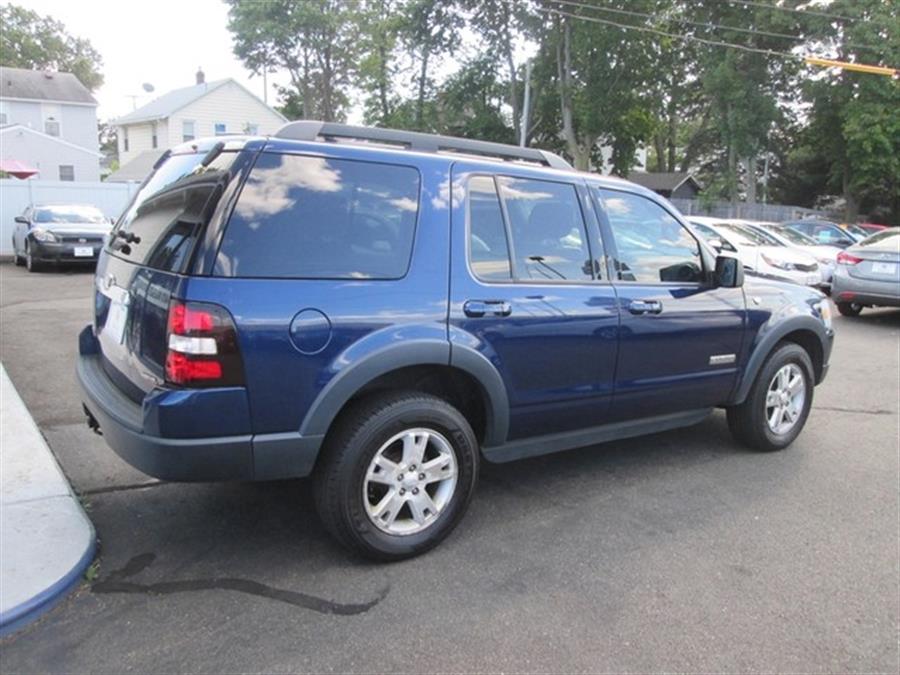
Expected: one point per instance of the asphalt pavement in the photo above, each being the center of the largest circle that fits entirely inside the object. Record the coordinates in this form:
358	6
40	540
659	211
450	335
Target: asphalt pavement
679	551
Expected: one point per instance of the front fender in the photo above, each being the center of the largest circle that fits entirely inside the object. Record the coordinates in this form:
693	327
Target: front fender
765	342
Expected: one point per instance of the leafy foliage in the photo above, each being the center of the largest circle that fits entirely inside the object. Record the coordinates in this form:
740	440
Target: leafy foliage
610	77
29	40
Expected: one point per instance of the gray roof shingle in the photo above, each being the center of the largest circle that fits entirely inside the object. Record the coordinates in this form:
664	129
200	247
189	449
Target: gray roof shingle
169	102
137	169
662	181
43	86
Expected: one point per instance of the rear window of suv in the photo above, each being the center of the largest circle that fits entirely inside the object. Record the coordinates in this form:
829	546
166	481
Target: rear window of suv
171	209
313	217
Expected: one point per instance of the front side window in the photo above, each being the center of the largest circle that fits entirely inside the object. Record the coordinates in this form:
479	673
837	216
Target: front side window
652	246
66	172
187	130
547	228
320	218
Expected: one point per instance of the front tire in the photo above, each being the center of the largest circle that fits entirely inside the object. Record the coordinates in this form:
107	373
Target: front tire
396	475
31	264
849	308
779	401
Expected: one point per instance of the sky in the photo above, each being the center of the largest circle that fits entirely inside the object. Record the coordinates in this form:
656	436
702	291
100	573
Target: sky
160	42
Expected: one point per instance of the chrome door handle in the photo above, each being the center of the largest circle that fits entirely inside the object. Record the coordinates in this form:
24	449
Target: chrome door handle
645	307
479	308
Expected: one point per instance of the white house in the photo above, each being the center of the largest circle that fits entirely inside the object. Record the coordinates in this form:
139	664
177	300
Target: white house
48	121
203	109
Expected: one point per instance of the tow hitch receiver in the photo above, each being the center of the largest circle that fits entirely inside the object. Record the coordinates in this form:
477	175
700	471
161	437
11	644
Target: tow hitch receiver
92	421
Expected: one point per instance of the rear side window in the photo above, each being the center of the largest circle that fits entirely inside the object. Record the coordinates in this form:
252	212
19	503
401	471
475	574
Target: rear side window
165	219
547	230
539	229
319	218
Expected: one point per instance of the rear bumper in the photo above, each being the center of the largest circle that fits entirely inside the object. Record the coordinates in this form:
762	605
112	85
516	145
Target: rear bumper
867	299
124	424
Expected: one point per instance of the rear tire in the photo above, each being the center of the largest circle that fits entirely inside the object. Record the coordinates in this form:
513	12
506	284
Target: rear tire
849	308
751	422
365	480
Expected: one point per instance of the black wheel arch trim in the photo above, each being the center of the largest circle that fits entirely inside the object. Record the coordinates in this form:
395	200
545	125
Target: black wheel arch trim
767	343
353	378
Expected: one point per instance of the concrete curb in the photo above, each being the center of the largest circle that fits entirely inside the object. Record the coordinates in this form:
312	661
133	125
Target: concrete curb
46	539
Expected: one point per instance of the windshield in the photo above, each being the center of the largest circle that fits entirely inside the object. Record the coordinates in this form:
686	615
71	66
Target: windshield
795	237
69	214
743	236
767	238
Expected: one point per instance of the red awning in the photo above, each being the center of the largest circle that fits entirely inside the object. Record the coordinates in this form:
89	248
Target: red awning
16	168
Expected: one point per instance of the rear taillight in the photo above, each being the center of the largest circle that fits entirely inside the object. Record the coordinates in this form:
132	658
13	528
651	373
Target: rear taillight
845	258
202	346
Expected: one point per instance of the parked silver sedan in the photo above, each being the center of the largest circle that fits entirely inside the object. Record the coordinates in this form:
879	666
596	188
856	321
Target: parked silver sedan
868	274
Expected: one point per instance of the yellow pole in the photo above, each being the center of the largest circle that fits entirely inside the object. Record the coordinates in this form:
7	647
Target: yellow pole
874	70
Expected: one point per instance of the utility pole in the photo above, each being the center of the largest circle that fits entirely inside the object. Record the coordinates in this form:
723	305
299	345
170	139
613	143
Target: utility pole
523	132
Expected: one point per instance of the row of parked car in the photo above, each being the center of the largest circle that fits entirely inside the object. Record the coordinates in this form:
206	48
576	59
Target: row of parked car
859	265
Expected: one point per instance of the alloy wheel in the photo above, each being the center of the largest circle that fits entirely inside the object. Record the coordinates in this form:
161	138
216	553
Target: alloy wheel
785	398
410	481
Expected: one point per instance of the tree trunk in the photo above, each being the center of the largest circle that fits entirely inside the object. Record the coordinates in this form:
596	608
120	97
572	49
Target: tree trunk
423	76
671	133
732	177
513	91
851	207
383	83
564	72
659	146
750	170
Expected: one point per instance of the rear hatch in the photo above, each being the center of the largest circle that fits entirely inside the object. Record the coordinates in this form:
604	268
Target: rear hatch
152	248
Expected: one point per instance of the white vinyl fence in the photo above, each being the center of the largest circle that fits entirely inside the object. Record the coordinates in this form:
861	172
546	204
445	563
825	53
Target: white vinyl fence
16	195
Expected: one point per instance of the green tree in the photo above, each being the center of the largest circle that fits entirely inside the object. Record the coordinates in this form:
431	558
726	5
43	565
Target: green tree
314	41
854	127
29	40
430	29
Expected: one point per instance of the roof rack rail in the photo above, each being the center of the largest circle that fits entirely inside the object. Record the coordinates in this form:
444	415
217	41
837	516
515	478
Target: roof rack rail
308	130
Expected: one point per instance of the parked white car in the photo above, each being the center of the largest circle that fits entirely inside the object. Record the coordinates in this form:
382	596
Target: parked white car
759	254
825	254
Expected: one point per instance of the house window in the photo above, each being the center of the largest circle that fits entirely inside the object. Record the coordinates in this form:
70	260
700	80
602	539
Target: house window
220	129
66	172
251	129
52	115
187	130
154	139
4	112
125	139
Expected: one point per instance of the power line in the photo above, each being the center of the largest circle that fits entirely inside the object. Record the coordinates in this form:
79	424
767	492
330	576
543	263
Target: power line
796	10
677	36
718	43
701	24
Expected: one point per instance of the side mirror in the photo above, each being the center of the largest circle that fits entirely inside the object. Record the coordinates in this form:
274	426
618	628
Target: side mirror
729	272
716	244
21	219
845	242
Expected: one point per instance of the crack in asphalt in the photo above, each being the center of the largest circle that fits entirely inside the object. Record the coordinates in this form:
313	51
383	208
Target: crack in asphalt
122	488
854	411
115	583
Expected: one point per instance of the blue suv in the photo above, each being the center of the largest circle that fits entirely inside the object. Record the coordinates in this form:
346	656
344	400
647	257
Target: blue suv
383	310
